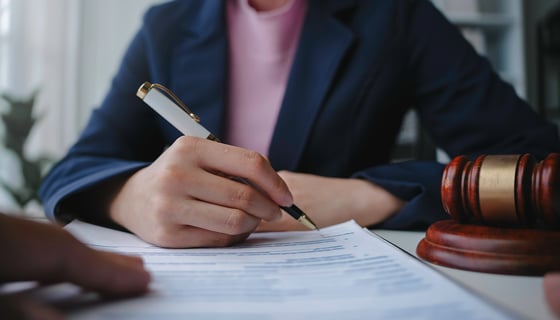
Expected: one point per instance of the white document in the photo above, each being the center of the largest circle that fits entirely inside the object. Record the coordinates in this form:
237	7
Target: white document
341	272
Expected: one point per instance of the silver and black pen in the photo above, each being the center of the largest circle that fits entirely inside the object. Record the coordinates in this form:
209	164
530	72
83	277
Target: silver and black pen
172	109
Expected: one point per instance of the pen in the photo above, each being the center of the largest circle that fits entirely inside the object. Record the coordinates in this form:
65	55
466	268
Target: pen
172	109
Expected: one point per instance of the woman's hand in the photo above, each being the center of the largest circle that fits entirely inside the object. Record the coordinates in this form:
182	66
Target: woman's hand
329	201
34	251
185	198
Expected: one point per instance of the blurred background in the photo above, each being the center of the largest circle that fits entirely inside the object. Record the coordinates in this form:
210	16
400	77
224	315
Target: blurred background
57	58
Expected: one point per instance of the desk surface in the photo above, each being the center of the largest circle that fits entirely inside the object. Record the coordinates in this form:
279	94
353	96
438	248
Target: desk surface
521	294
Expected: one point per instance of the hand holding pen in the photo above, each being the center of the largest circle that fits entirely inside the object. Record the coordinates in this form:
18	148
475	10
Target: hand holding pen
180	201
171	108
185	197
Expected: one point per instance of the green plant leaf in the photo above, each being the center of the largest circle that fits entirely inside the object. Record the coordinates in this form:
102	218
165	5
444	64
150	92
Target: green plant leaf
18	122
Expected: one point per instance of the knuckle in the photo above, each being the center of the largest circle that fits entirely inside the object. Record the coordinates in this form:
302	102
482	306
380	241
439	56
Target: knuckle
185	141
171	177
160	205
162	237
236	222
256	161
188	144
242	197
162	209
166	175
188	209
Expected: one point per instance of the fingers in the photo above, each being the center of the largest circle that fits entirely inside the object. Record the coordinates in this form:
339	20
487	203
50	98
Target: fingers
191	223
48	253
234	161
232	194
186	199
108	273
212	217
193	237
32	249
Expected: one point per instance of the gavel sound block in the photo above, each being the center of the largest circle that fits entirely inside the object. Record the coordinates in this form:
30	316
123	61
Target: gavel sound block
506	216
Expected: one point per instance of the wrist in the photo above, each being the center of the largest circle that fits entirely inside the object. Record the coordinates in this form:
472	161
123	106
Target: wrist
373	204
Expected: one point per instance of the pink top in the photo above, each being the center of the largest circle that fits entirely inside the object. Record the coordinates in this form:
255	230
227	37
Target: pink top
262	47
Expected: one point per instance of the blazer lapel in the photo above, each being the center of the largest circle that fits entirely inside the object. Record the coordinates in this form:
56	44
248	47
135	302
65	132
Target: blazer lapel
322	46
201	65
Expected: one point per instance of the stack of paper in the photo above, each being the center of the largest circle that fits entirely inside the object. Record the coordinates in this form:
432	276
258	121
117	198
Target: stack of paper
341	272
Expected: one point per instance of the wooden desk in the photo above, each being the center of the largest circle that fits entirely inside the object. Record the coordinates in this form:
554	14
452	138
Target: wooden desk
521	294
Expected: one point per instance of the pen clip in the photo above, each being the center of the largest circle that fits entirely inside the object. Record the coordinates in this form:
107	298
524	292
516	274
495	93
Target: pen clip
147	86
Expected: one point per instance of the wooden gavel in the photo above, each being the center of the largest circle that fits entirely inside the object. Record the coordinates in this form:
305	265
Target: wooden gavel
503	190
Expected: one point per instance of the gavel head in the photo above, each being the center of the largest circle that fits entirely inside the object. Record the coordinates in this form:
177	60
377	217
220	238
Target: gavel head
503	190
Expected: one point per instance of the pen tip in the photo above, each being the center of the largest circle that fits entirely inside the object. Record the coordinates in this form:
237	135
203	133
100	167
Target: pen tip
308	223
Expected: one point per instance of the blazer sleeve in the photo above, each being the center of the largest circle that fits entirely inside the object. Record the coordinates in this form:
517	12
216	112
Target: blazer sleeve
121	137
465	107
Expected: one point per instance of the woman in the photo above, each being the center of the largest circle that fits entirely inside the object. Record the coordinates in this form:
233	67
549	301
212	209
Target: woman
315	90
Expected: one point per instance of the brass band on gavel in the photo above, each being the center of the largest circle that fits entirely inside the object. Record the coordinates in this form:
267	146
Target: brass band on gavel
503	190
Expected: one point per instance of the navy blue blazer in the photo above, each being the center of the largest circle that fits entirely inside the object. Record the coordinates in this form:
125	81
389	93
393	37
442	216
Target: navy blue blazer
359	66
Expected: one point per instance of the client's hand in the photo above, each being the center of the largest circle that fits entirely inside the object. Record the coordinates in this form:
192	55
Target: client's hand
33	251
551	285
